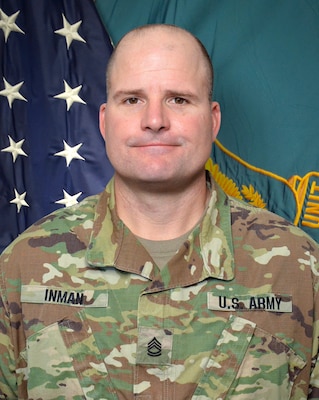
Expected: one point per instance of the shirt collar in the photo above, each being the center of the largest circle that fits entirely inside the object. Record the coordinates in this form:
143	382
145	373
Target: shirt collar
208	252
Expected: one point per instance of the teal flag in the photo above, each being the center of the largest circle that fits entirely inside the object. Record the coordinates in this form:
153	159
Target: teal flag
266	60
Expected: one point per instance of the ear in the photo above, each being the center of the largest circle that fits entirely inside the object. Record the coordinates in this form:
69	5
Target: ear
102	119
216	119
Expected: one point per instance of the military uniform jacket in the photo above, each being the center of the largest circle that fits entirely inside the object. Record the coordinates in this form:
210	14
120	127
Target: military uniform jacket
86	313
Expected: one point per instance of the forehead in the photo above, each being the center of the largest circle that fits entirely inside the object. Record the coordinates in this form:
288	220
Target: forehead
158	37
159	49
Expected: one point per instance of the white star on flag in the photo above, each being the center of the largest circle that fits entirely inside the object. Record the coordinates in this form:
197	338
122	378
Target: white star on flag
15	148
12	92
70	95
8	25
19	200
69	200
70	153
70	31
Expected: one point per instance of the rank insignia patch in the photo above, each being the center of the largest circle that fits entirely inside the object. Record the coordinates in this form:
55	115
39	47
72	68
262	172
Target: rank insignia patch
154	346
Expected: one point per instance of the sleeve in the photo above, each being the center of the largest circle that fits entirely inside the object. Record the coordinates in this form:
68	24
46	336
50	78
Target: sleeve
314	378
8	381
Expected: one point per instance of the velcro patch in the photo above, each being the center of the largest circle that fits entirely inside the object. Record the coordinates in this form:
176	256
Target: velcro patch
64	296
281	303
154	346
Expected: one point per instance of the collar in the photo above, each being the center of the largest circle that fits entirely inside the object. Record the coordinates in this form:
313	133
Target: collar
208	252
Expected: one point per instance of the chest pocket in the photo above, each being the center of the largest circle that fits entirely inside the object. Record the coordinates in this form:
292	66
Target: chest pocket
79	346
61	354
249	363
50	369
63	358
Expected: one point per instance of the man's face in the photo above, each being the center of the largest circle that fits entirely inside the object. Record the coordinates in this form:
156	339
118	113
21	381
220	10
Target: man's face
159	123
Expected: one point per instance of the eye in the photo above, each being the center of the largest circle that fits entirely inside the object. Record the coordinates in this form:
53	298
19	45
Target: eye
179	100
131	100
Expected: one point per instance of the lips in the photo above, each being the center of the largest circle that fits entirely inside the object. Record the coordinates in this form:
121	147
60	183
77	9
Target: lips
154	143
157	145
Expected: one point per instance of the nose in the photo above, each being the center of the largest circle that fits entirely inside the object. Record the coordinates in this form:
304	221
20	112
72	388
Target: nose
155	116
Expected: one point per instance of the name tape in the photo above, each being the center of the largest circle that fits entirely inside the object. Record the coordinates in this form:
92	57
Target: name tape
261	302
68	297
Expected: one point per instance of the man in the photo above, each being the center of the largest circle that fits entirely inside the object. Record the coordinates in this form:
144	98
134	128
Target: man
162	287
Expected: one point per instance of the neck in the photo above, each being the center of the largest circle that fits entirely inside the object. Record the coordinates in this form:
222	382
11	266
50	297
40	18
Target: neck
160	215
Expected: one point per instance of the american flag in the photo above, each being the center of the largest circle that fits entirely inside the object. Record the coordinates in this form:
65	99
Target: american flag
53	55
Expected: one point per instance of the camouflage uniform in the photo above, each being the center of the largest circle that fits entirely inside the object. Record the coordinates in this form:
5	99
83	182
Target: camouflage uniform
87	315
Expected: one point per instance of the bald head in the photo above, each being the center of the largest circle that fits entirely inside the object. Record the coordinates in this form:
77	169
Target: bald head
160	35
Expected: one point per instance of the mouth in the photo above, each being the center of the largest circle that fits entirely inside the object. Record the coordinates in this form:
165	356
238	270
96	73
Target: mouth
156	148
159	142
156	145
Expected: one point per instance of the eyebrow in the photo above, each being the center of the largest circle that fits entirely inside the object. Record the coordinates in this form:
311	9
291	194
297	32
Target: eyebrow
124	93
182	93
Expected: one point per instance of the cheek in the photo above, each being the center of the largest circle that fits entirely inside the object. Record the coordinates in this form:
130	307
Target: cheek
112	145
116	125
112	128
115	143
198	130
